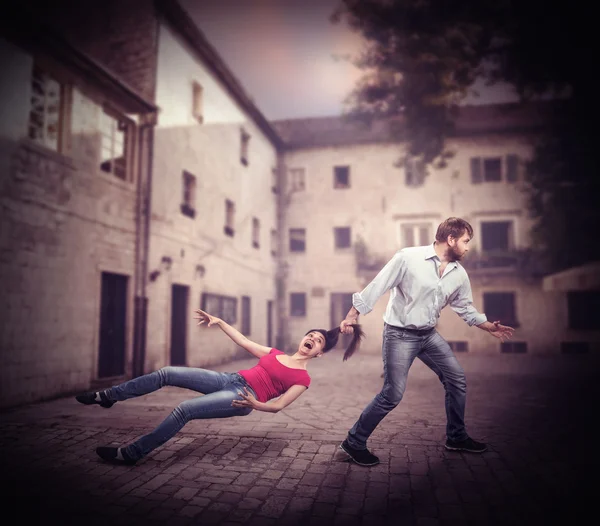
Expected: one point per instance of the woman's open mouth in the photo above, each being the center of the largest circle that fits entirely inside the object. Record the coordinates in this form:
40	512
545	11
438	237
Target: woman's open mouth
308	345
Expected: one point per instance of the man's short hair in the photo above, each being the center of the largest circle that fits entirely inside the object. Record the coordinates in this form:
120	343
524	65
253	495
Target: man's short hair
453	226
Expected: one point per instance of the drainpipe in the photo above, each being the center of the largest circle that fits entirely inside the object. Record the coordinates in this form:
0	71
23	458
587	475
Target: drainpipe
282	335
142	242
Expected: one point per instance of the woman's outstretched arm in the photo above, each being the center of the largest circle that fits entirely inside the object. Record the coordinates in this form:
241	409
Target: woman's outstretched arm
252	347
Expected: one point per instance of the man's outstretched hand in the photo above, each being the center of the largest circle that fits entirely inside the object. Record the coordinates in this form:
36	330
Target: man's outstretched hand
502	332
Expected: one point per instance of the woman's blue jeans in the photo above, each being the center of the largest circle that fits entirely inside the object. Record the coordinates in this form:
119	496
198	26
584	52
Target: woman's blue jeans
400	348
219	390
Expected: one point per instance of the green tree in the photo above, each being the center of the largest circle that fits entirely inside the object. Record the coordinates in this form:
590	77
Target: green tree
422	58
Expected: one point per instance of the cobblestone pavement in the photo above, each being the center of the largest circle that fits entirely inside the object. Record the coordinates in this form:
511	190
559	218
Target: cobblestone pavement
284	469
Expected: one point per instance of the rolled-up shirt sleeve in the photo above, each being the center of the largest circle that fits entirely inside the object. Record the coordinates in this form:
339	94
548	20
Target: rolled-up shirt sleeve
389	276
462	304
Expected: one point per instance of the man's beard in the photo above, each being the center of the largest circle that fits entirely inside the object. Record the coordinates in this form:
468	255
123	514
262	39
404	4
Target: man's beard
454	255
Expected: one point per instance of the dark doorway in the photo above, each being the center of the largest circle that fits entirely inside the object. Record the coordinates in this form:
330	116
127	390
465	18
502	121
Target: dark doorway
179	320
113	324
341	303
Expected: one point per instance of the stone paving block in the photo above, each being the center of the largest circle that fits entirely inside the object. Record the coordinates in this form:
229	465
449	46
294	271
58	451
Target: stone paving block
329	494
186	493
258	492
294	473
306	491
323	509
276	492
274	506
334	480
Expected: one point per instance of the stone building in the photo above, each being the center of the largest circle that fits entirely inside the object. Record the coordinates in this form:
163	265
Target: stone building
74	156
214	208
161	179
139	181
350	206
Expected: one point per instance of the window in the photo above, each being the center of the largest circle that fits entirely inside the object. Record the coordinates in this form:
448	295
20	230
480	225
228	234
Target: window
415	234
115	133
229	217
493	169
297	240
273	242
244	141
255	232
45	116
342	237
513	347
188	207
246	318
341	177
414	171
297	304
574	347
496	235
297	179
583	307
459	346
512	168
500	306
223	307
274	181
198	102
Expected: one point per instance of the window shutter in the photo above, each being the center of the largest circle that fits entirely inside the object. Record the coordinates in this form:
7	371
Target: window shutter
424	236
409	238
476	173
512	167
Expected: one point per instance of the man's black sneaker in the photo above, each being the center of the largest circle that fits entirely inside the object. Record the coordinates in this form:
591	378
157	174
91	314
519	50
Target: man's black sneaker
110	455
470	445
90	398
363	457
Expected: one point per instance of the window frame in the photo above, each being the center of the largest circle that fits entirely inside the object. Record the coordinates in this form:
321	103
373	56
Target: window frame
128	141
229	227
336	230
255	232
188	205
198	101
219	310
336	184
303	230
511	322
297	313
415	226
297	184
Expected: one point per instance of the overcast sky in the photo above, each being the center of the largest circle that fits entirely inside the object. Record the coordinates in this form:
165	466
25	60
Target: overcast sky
282	51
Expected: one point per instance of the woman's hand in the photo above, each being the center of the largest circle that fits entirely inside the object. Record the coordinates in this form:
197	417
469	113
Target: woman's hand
204	316
248	400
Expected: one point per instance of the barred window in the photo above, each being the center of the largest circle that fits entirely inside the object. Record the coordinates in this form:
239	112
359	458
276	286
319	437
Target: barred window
297	240
45	116
114	138
297	304
224	307
341	177
342	237
188	206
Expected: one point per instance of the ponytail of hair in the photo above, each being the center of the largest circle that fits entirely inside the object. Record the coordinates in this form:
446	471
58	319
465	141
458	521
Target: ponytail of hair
333	335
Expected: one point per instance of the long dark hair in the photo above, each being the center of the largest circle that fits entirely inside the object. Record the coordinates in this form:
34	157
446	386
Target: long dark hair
331	339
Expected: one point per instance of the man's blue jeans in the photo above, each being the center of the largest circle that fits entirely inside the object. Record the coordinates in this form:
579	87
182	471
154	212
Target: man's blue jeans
400	348
219	390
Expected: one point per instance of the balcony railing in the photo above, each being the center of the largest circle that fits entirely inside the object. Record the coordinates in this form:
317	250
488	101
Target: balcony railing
523	260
